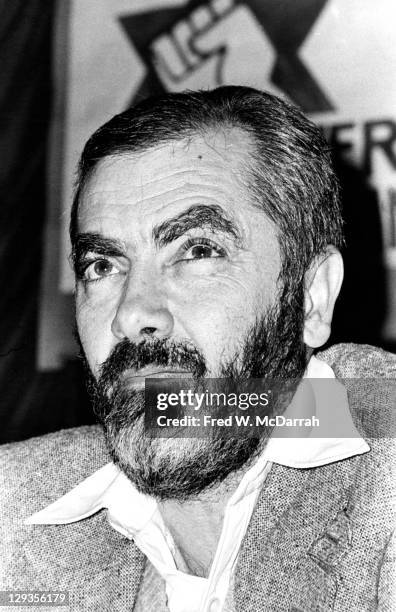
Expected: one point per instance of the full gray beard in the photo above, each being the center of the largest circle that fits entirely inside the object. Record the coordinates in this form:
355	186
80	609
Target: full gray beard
173	468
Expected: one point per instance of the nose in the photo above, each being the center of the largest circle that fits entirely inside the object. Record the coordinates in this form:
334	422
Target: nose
142	313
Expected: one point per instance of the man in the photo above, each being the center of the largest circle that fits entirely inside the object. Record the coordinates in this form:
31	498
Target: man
206	231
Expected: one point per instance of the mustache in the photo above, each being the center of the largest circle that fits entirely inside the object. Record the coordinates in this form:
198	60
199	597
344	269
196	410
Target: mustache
155	352
111	400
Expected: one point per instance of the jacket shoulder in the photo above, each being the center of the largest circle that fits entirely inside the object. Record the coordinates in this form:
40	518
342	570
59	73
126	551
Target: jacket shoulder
359	361
369	376
39	470
87	559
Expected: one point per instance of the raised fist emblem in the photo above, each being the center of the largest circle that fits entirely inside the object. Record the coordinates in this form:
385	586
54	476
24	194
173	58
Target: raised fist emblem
218	43
203	44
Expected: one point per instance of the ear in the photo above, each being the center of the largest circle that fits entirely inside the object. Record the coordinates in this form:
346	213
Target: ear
322	284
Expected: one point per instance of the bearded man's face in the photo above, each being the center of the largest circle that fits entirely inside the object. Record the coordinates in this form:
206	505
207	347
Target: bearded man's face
177	274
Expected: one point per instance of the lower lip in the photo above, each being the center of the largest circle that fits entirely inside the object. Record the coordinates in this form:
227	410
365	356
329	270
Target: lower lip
138	382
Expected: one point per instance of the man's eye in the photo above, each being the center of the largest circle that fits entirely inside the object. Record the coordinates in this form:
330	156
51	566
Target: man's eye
201	249
98	269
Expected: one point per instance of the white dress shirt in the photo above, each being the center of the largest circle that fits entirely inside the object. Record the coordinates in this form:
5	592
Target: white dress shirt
137	516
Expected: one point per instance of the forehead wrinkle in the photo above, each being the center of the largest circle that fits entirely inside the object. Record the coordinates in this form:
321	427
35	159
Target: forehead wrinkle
232	145
174	195
204	179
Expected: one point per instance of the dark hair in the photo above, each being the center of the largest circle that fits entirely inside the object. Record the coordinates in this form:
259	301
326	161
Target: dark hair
289	176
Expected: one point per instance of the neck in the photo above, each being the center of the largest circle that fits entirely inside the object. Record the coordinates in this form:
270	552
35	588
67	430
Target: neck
196	525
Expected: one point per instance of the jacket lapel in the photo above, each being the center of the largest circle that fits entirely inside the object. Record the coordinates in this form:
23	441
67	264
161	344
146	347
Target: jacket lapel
298	533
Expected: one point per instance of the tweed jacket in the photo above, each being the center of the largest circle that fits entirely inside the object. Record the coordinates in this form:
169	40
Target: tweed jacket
319	539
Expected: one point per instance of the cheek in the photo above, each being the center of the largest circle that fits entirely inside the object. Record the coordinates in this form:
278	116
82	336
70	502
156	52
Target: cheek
94	328
217	319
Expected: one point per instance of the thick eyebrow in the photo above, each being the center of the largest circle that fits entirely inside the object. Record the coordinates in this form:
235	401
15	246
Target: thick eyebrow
195	217
95	243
